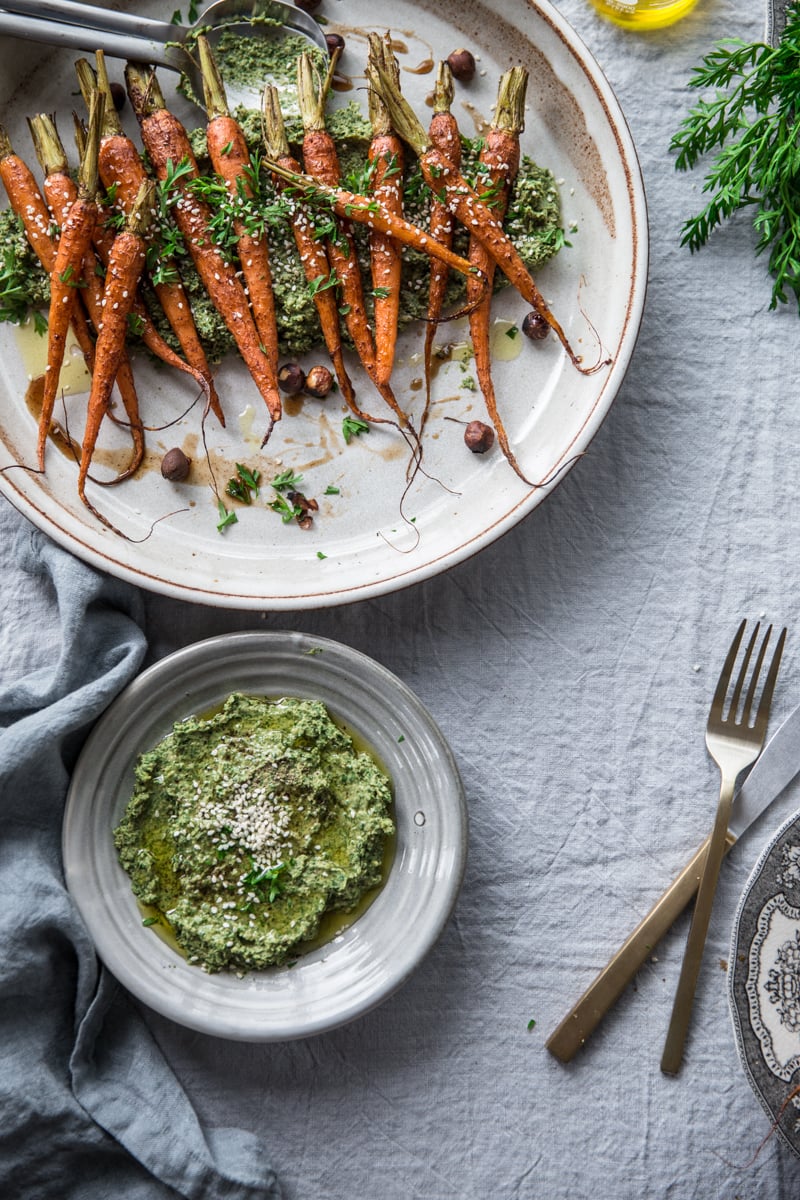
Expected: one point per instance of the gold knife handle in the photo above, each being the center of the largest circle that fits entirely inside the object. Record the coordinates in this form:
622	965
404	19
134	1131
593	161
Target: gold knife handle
582	1020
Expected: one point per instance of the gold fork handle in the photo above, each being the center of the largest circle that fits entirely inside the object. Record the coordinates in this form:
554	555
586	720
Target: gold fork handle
582	1020
675	1041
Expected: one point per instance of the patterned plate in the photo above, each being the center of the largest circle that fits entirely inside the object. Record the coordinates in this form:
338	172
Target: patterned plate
764	982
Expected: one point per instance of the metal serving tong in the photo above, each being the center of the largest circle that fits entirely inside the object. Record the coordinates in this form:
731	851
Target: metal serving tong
141	39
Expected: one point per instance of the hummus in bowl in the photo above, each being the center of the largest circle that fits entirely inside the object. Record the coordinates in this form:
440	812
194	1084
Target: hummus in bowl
380	862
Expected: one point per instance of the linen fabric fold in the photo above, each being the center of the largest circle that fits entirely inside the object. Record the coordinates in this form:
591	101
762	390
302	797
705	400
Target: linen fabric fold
89	1108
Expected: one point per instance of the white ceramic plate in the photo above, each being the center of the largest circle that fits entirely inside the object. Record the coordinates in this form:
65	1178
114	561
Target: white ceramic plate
360	545
368	960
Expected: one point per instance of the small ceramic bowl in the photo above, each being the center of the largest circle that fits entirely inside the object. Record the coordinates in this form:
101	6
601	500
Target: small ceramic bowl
361	965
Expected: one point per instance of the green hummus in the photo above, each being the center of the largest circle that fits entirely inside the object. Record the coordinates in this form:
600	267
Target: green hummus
246	827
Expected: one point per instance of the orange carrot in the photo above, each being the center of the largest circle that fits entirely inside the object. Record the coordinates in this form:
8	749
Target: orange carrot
386	163
26	201
65	277
451	188
322	164
122	173
230	159
61	192
170	152
443	133
312	253
125	267
365	210
499	165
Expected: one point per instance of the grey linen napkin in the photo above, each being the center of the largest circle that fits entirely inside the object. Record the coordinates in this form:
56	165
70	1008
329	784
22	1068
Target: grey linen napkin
89	1108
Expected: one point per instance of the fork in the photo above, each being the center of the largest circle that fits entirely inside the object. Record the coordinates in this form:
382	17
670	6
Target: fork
734	743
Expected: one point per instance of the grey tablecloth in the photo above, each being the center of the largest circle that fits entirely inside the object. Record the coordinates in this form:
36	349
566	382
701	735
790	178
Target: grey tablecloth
571	666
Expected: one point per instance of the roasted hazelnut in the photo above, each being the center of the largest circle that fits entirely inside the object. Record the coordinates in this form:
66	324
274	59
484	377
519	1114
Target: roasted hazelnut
308	6
118	95
535	327
175	465
335	42
462	64
319	382
479	437
291	378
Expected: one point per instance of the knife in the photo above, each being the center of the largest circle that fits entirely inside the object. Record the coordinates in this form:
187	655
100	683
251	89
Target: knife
774	770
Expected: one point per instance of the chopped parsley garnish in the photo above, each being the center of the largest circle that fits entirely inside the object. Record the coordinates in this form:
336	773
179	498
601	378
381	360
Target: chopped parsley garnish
226	518
353	427
244	485
512	331
286	480
287	510
321	555
330	490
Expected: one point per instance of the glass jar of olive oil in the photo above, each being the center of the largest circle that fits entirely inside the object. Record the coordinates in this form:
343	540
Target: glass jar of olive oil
644	14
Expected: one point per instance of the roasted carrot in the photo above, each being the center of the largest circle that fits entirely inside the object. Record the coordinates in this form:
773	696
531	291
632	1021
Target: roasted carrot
443	133
322	164
122	173
27	202
231	160
170	152
451	188
66	275
312	252
498	167
386	162
125	267
61	192
365	210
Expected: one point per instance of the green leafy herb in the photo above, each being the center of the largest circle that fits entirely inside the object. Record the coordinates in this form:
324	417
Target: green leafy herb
353	427
135	323
330	490
286	481
226	518
176	18
150	921
287	510
381	293
321	555
531	1024
226	149
69	277
753	124
264	883
244	485
13	293
321	283
512	331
